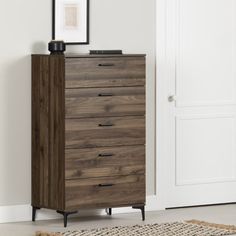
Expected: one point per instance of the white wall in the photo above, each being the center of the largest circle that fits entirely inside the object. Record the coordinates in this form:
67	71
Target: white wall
25	28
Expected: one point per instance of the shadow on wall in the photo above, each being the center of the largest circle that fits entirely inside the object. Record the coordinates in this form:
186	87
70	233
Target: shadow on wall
39	47
16	116
15	169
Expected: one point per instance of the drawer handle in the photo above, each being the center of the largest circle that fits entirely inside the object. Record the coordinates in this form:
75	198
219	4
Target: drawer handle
106	64
105	94
105	155
105	185
105	125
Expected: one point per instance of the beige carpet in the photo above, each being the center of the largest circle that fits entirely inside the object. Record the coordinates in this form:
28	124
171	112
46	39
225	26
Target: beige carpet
189	228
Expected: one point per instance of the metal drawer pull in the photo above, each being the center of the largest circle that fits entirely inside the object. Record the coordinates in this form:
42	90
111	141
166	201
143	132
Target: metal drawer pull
106	64
105	185
105	125
105	94
106	155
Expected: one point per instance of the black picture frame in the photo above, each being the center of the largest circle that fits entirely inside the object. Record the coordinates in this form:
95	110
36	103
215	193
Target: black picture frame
54	33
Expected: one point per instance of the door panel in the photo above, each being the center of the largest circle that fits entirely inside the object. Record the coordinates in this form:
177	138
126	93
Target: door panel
205	52
198	161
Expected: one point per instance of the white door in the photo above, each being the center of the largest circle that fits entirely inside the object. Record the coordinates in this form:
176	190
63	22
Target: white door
196	101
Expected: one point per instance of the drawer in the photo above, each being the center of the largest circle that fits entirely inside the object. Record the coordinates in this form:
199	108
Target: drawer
105	192
101	162
104	72
98	132
97	102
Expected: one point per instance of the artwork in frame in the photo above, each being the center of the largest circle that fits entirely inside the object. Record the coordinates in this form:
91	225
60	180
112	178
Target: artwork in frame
71	21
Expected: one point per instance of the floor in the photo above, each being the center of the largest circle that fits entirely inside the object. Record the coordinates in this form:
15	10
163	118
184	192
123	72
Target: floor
225	214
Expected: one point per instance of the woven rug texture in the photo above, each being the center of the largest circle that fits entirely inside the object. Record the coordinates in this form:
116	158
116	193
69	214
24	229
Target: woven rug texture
191	228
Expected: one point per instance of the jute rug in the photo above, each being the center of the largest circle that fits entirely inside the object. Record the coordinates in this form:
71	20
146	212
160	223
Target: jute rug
189	228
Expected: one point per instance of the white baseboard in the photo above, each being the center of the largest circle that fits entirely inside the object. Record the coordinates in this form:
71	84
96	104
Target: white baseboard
20	213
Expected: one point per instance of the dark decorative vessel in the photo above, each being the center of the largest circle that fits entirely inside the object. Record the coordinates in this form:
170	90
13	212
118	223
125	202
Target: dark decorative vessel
57	47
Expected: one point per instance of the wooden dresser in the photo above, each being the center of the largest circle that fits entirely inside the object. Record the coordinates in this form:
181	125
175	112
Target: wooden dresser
88	132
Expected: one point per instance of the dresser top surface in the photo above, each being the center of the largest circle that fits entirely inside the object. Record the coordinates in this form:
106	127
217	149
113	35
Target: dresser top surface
102	55
74	55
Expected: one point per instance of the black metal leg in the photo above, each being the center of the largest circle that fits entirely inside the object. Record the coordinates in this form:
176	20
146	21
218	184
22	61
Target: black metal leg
65	220
34	209
143	213
109	211
65	215
142	208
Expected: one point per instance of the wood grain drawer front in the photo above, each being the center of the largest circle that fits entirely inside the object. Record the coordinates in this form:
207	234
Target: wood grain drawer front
113	131
105	72
101	162
105	192
100	102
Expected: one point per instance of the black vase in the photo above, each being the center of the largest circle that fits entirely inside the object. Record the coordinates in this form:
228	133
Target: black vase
57	47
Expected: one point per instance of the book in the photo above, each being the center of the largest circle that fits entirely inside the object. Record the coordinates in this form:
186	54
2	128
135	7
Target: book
94	52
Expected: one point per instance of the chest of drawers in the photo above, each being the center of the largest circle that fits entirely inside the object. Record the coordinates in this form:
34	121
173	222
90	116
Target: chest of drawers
88	132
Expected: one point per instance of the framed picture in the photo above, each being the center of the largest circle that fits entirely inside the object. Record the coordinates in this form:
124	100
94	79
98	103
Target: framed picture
70	21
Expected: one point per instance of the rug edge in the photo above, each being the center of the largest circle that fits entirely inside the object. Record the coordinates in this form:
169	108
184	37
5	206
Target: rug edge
41	233
195	222
212	225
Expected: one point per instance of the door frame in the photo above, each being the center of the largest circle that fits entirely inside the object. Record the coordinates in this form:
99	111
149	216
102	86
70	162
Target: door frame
163	112
162	88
